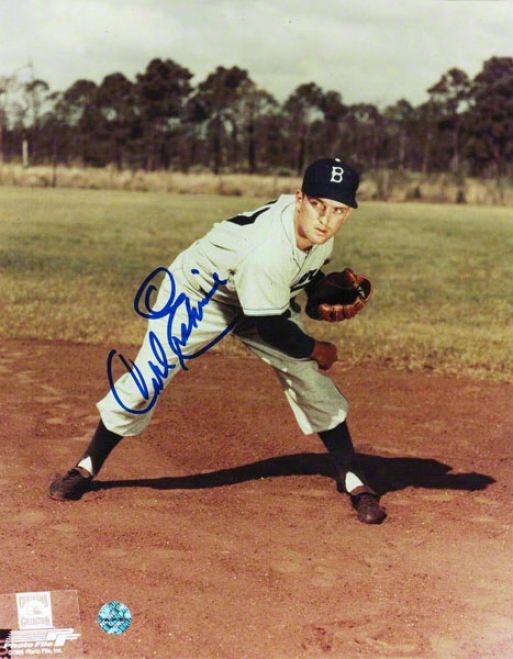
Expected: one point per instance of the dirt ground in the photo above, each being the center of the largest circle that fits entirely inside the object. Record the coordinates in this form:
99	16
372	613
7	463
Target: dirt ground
221	528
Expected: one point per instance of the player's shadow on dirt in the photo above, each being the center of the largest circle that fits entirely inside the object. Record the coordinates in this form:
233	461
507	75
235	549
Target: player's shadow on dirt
385	474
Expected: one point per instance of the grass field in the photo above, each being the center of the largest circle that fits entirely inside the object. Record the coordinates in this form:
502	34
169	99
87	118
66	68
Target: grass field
71	262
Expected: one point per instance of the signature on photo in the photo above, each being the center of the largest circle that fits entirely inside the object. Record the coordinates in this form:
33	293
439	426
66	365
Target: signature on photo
177	337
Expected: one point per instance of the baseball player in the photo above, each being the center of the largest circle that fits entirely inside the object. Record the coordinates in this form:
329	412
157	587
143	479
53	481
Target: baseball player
242	278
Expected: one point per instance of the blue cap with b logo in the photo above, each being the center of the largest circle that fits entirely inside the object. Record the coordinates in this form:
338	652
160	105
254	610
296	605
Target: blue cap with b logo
329	178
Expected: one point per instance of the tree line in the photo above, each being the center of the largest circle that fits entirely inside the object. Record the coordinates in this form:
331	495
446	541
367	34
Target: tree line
227	123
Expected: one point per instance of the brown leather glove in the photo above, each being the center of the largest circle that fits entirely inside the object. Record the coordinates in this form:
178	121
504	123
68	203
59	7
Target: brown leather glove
338	296
325	354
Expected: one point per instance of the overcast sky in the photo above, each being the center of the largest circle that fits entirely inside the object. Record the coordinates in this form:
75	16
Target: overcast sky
376	51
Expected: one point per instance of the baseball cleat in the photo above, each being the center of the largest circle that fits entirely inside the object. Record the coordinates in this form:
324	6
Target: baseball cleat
368	509
71	486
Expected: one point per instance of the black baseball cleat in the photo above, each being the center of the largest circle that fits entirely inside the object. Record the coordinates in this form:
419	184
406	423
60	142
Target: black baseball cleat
368	508
71	486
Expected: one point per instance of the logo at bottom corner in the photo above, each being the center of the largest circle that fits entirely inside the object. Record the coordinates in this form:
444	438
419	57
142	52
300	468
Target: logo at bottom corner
35	642
114	617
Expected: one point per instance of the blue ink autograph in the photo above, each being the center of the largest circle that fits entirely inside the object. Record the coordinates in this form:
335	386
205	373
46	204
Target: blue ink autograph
177	341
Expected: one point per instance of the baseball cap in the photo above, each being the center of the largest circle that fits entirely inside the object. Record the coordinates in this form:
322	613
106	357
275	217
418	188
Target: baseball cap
329	178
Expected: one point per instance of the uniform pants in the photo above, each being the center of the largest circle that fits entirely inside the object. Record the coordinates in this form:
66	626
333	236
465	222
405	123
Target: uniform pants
175	341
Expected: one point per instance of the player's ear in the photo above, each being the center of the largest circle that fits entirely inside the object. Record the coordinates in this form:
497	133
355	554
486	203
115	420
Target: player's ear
299	199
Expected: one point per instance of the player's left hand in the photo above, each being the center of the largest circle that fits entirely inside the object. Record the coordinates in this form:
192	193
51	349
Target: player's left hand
339	296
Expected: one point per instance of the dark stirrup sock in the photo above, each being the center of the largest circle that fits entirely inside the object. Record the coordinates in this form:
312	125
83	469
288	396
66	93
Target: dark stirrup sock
339	444
102	444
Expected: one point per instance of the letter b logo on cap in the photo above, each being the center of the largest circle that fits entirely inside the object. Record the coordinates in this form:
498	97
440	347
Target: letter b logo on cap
330	178
337	174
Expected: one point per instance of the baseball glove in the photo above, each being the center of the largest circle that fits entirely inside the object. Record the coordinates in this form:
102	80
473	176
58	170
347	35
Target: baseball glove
338	296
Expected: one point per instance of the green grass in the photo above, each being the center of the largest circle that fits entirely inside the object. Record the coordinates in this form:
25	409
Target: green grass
71	262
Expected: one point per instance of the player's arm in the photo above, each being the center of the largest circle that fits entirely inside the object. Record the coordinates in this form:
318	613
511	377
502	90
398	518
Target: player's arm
283	334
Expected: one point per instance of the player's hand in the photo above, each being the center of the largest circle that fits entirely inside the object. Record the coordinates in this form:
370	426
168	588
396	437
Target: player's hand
337	296
325	354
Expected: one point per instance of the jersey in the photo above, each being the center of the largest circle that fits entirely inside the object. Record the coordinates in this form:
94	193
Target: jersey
256	255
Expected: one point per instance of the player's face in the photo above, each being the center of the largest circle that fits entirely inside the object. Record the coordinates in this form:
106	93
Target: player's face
317	220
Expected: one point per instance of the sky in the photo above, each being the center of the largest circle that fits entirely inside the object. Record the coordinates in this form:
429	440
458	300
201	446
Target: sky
369	51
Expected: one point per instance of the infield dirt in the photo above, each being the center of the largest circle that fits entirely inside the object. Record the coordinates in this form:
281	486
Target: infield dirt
221	528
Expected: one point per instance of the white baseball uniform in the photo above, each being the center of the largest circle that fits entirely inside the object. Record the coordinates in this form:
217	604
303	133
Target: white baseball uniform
243	268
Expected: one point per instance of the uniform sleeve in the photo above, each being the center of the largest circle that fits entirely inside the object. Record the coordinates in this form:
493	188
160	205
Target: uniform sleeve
283	334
